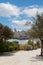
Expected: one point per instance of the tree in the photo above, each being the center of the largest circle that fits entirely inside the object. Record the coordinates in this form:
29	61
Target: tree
37	30
5	32
1	31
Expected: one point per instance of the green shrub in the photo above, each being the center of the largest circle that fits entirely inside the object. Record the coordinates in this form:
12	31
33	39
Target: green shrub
28	47
21	47
15	42
6	46
30	43
15	45
2	46
25	47
35	47
38	44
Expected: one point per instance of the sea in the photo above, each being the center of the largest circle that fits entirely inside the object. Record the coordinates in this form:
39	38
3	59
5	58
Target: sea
20	41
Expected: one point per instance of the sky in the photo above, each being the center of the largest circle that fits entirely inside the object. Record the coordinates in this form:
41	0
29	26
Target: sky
18	14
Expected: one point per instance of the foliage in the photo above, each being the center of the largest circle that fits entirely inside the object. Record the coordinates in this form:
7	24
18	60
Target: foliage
37	29
29	46
1	31
33	45
6	46
21	47
38	44
16	45
5	32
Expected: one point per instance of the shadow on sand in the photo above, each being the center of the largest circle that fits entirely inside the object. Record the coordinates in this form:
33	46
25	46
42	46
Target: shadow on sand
7	54
37	58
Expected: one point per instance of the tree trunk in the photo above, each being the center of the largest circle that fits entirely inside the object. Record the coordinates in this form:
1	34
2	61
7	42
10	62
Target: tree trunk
42	47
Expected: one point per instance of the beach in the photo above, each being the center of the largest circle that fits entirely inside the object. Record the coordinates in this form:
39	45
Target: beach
22	58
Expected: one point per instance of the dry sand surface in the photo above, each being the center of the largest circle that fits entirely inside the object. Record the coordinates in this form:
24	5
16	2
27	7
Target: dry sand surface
22	58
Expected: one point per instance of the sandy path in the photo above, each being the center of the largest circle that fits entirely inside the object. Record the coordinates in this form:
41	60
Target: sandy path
22	58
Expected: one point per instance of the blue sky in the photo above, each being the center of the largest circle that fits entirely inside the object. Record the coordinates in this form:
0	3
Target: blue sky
17	13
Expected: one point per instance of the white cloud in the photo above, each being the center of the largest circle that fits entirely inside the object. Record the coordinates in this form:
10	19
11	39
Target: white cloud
32	10
19	22
40	10
32	6
22	22
8	10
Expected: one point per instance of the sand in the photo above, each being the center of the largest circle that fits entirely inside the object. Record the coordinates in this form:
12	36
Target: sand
22	58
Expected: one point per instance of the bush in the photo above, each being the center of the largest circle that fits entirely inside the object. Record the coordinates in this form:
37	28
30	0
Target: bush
2	46
30	43
21	47
34	46
15	45
6	46
25	47
28	47
38	44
